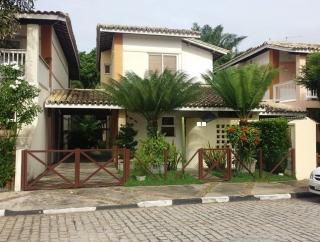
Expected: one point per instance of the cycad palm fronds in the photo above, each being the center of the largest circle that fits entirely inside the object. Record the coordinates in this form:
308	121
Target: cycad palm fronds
153	95
241	88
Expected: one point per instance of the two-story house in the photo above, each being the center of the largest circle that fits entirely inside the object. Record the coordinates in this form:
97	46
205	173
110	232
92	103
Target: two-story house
141	49
45	47
288	58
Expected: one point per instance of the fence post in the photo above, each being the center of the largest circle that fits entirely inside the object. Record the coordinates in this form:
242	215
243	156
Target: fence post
165	163
126	165
260	163
200	163
77	167
293	162
24	172
229	164
115	156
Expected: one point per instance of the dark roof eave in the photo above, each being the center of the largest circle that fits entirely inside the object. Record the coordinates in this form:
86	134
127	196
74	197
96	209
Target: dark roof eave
63	28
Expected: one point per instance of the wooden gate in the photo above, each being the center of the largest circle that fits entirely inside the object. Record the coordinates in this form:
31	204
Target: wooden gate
52	169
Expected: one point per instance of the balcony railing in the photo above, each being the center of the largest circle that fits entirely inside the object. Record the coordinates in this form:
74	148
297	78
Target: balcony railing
311	94
285	91
11	56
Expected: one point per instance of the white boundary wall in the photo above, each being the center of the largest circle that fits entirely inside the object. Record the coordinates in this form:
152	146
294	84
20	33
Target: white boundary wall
303	138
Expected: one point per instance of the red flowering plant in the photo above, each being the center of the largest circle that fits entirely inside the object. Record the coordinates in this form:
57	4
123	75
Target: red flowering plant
244	141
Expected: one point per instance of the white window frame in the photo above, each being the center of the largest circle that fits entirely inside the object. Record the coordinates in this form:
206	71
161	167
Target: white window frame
162	55
169	125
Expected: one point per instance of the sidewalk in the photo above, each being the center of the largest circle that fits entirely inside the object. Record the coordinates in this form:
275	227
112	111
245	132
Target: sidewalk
89	197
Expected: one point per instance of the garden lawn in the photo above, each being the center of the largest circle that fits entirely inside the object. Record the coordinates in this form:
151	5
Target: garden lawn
266	177
173	178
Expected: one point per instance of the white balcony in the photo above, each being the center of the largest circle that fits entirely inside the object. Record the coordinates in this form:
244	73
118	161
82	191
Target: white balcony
311	94
11	56
285	92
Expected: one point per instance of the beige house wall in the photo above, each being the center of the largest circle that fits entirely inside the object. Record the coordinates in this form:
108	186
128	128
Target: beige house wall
105	59
60	71
303	136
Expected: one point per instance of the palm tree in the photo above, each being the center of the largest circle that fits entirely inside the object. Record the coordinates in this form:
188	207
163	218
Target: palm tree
153	95
241	88
217	36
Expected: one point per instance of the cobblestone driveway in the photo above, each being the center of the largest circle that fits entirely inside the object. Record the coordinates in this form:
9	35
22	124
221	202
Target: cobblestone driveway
285	220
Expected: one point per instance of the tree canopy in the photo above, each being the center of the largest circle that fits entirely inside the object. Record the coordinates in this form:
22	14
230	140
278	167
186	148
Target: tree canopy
89	76
217	36
241	88
8	11
153	95
310	73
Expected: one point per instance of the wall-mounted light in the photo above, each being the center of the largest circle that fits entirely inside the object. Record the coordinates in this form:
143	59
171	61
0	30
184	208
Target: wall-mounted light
201	124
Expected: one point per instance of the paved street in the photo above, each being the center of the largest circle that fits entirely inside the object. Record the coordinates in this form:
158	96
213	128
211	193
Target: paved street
283	220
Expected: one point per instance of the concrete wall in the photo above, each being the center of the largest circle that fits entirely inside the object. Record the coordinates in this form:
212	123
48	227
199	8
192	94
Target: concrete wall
303	136
105	59
136	50
34	136
140	125
60	71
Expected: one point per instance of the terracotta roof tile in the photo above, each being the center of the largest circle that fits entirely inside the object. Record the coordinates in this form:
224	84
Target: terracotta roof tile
207	99
150	30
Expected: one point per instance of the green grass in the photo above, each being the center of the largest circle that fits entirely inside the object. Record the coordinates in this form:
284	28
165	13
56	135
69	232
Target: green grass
266	177
173	178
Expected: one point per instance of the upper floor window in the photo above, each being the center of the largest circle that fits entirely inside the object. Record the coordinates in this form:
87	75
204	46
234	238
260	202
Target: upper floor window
107	69
160	62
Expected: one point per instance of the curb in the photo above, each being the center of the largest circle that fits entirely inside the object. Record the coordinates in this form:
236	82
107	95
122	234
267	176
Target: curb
162	203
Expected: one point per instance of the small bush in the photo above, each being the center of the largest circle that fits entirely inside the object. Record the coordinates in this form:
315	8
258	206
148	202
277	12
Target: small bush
151	153
7	160
275	141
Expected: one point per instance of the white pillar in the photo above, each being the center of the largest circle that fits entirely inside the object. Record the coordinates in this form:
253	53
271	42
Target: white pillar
304	143
17	181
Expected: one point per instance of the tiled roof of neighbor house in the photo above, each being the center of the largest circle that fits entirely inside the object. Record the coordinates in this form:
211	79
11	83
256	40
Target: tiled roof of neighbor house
276	45
79	97
148	30
205	45
207	100
62	25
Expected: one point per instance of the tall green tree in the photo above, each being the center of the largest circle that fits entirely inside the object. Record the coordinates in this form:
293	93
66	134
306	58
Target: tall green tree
217	36
241	88
310	73
153	95
8	11
89	76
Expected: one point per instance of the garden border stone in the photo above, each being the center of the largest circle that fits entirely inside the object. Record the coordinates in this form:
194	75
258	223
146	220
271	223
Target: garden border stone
162	203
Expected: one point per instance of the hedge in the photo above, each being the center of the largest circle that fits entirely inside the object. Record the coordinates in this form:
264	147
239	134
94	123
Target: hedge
275	141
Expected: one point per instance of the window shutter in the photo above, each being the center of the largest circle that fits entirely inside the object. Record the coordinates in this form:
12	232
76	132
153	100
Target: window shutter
170	62
155	63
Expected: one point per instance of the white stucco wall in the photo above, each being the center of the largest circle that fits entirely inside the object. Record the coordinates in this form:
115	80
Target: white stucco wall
262	59
60	71
195	61
199	137
136	50
303	136
34	136
140	125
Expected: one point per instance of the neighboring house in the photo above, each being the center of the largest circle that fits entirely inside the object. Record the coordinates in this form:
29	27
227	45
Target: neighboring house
45	47
288	58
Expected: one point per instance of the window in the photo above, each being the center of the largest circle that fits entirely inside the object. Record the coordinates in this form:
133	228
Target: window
159	62
167	126
106	69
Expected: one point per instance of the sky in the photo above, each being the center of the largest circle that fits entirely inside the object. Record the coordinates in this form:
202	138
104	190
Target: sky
278	20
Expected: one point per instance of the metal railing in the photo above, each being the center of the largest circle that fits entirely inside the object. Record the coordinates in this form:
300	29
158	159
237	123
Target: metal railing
11	56
285	91
311	94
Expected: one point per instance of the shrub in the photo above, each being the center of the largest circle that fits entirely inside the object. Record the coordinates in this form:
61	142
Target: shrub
275	141
125	138
151	152
17	108
244	141
215	158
